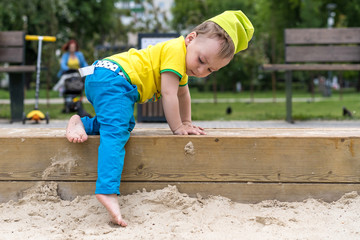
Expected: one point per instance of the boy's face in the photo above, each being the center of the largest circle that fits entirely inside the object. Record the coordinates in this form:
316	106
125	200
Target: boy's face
202	55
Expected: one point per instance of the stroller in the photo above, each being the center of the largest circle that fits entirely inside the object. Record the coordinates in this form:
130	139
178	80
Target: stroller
71	85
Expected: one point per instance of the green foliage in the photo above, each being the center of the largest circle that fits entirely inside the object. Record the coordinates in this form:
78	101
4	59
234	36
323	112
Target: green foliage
97	23
271	19
350	11
312	15
188	14
91	23
91	20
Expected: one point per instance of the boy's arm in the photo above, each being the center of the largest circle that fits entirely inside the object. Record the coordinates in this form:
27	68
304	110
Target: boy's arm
170	100
184	104
185	107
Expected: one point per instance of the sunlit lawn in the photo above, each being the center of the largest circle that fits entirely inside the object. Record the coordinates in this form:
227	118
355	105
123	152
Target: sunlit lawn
329	108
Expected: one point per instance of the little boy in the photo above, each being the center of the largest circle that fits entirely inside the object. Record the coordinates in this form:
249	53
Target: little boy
113	85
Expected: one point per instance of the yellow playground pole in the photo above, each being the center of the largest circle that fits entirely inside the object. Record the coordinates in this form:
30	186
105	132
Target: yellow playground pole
44	38
36	114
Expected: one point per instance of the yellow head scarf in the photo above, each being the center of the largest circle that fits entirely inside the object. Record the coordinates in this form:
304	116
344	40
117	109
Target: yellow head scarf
238	26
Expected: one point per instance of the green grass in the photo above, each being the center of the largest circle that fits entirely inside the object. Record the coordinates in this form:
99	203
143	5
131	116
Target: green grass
4	94
325	110
54	110
329	108
269	94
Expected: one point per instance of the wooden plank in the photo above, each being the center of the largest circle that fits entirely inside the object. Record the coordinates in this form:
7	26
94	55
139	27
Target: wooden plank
42	158
59	133
243	159
160	109
150	111
11	55
143	109
236	155
322	54
155	109
12	38
239	192
20	68
311	67
322	36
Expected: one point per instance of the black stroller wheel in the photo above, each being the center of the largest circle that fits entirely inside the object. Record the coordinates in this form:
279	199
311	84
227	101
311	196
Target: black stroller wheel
23	118
47	118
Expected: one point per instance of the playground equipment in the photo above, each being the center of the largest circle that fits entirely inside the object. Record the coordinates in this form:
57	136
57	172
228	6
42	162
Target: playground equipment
72	85
36	114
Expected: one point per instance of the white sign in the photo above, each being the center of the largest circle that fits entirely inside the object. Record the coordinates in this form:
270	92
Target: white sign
145	42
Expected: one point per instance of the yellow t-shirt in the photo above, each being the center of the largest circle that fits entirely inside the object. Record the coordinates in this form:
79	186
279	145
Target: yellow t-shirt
143	67
73	63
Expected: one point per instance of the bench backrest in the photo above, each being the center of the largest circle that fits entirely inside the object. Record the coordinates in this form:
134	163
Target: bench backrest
322	45
12	45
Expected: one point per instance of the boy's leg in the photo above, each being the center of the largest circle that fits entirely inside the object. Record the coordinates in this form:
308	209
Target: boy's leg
91	125
113	99
75	131
111	204
78	129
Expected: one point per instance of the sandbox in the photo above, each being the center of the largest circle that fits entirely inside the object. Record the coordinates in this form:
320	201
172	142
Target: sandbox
229	184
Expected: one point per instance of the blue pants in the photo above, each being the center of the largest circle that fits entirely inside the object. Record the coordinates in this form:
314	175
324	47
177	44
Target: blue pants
113	99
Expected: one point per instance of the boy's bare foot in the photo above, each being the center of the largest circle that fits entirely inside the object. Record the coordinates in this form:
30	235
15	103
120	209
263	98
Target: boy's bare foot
75	131
111	203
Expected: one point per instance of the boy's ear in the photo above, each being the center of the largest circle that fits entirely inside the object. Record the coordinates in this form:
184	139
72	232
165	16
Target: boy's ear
191	36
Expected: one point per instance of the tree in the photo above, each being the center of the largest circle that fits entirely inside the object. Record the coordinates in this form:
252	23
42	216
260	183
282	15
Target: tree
32	17
90	22
187	14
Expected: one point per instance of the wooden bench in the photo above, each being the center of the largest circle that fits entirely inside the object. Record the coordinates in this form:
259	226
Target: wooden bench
12	50
317	49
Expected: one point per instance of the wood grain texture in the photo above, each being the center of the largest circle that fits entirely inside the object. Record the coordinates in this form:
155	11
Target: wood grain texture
20	68
11	55
322	36
59	133
239	192
322	54
233	156
313	46
311	67
12	38
247	165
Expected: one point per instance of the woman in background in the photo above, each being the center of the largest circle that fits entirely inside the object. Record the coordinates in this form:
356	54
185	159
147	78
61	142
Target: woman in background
70	84
72	58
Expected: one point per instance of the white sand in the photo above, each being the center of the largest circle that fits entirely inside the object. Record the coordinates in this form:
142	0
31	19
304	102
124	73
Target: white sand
168	214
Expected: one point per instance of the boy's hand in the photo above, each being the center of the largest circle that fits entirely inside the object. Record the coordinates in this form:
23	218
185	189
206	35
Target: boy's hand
197	127
189	129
